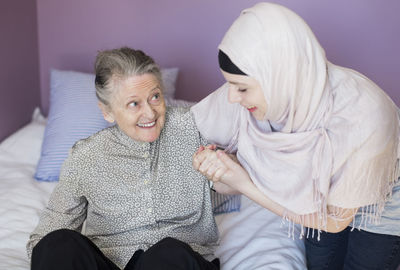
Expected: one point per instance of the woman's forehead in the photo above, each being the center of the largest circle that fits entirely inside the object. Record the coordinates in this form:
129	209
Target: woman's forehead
237	79
138	85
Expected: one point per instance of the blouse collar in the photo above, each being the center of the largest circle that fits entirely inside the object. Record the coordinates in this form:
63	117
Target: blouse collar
133	146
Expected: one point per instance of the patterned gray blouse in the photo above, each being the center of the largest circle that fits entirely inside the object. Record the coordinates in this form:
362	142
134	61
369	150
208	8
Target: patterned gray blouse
132	194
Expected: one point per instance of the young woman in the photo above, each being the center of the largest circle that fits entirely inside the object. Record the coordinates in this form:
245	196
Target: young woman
316	143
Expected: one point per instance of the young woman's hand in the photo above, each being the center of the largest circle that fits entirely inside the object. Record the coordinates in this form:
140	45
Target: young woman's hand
219	166
205	160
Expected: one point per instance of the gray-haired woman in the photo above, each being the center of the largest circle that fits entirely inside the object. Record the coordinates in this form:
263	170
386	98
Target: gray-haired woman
144	205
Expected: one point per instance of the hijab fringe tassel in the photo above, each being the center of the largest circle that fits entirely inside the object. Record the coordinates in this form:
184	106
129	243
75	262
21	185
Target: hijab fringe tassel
370	214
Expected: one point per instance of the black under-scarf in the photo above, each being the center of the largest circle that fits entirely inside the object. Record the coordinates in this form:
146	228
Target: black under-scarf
226	64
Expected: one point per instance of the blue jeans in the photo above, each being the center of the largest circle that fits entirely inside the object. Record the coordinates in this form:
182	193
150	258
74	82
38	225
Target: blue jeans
356	250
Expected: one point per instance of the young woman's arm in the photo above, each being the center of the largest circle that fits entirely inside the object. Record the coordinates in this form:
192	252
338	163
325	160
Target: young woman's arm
224	189
221	168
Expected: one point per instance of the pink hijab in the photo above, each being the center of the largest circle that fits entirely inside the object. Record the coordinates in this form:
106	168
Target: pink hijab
336	133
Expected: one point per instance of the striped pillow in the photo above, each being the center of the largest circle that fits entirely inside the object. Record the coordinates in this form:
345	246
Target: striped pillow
74	115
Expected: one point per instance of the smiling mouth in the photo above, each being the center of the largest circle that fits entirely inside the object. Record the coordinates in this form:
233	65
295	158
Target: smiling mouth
147	125
251	108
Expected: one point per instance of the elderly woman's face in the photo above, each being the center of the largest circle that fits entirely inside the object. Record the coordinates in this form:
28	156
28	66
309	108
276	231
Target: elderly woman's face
138	107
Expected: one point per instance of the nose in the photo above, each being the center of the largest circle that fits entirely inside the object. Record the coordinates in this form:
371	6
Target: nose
148	111
233	94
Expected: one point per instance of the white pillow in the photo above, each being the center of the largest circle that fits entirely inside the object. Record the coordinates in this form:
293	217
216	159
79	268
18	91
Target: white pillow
24	145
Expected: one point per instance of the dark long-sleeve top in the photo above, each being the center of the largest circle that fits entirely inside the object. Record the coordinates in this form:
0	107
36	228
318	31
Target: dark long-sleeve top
132	194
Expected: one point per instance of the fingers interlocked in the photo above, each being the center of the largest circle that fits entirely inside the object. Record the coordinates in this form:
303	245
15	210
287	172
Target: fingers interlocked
207	163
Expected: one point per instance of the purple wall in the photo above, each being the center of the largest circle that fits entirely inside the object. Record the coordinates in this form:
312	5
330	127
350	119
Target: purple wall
19	73
358	34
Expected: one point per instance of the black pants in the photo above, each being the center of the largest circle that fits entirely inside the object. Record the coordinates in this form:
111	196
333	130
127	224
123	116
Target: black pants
66	249
353	250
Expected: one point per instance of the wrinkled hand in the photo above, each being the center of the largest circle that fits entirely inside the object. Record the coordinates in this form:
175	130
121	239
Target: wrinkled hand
206	161
219	166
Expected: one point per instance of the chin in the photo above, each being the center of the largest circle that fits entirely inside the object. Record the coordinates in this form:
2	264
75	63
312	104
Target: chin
149	140
150	137
259	116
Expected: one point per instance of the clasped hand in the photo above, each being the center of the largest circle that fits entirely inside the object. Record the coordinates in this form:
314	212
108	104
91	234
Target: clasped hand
218	166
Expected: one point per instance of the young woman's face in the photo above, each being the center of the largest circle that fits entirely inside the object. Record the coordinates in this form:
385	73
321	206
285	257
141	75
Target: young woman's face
138	107
247	92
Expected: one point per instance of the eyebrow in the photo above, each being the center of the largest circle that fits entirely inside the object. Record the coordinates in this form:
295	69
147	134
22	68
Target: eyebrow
152	90
158	87
237	83
230	81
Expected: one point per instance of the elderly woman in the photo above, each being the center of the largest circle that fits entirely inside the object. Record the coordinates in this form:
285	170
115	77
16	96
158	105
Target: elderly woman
317	144
131	186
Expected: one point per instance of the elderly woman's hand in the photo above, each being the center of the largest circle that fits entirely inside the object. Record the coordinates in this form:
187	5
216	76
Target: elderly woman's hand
219	166
205	160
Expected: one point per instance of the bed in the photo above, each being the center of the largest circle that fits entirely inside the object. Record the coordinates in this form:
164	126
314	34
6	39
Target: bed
252	238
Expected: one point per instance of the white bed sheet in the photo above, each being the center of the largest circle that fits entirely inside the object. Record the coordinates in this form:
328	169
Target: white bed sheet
21	200
251	239
255	238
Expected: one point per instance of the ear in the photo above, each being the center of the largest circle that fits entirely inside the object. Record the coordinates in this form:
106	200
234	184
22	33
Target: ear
107	114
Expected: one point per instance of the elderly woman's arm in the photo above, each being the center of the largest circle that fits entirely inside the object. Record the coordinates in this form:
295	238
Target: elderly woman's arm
219	167
66	208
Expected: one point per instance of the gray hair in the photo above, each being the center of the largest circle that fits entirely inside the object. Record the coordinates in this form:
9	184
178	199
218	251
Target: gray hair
113	66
